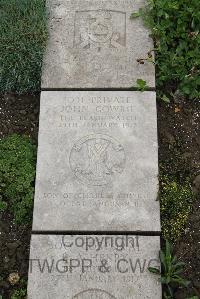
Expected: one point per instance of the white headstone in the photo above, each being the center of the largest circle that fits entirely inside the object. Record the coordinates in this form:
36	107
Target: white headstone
97	162
95	44
93	267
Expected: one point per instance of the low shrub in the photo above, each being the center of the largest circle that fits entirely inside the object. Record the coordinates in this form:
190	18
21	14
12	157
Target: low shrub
19	294
17	175
175	28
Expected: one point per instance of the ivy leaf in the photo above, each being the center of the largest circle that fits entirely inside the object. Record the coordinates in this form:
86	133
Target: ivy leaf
135	15
141	85
165	99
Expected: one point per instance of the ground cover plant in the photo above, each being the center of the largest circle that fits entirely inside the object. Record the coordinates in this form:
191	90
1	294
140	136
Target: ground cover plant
175	28
176	204
19	117
23	36
17	175
21	292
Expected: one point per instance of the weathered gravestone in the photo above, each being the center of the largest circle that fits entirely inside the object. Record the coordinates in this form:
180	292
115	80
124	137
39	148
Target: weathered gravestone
95	44
97	162
93	267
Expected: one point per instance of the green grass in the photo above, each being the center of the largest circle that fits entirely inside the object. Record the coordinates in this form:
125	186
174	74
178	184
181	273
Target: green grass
23	36
175	28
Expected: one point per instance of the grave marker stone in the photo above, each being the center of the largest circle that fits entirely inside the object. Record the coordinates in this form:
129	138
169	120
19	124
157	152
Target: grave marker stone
97	162
93	267
95	44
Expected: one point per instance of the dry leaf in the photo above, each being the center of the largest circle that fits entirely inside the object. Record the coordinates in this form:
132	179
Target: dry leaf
177	109
13	278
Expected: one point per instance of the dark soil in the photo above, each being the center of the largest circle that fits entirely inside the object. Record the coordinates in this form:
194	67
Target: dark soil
179	155
18	114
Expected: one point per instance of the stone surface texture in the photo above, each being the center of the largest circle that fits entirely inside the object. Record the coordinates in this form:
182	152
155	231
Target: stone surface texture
93	267
95	44
97	162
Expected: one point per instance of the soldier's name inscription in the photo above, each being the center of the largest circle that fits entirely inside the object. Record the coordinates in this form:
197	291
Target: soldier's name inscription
95	112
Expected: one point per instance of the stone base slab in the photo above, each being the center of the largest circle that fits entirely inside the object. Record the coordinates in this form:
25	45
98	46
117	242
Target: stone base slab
93	267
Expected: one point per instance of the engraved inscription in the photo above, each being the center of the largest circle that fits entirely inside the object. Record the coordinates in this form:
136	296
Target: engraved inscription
93	294
96	29
96	159
97	112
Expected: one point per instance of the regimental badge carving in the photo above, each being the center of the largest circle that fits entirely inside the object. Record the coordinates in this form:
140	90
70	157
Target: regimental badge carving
97	29
93	294
97	159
